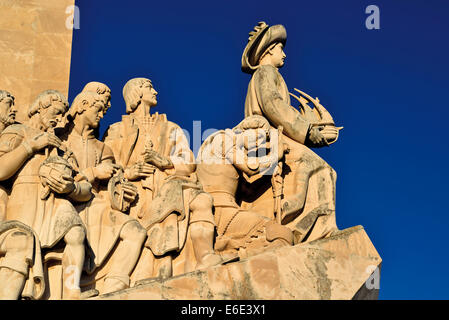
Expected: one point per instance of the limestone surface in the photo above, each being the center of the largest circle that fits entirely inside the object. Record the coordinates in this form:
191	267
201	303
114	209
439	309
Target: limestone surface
339	267
35	48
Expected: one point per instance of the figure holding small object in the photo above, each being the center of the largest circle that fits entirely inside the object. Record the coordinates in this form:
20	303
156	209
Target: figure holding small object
171	204
307	201
111	233
51	219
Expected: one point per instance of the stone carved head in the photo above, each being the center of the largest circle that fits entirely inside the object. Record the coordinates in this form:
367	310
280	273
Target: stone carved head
259	142
264	40
90	106
7	108
139	91
253	131
50	106
101	89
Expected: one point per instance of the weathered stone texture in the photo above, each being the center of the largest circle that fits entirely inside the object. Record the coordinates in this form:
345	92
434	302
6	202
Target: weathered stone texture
333	268
35	48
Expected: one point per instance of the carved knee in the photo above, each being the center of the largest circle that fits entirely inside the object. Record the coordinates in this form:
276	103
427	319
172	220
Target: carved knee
201	209
75	236
133	231
19	241
19	252
203	201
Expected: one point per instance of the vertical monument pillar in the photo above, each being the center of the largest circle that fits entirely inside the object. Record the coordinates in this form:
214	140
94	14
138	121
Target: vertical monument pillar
35	48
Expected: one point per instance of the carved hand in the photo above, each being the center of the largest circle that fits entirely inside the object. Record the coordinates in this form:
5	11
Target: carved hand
139	170
105	171
330	133
130	192
154	158
316	137
43	140
63	186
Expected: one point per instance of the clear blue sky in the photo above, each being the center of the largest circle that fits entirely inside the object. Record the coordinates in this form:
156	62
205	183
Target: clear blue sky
387	87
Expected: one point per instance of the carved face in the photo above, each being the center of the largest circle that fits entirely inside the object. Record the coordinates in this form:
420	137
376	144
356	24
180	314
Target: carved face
93	114
52	115
8	110
106	99
149	94
278	55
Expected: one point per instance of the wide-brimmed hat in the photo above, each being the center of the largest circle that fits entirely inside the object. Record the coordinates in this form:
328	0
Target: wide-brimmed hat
260	39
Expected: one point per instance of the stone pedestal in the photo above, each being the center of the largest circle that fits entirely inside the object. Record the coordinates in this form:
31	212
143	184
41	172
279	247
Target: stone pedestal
340	267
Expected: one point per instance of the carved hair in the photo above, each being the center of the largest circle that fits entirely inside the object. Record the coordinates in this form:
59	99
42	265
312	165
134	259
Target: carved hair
132	93
45	99
99	88
78	103
5	94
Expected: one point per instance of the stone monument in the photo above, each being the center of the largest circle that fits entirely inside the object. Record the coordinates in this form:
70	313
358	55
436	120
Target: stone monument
35	48
136	216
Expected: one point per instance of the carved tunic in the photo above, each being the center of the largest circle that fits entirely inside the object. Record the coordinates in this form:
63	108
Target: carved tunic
103	223
268	96
170	192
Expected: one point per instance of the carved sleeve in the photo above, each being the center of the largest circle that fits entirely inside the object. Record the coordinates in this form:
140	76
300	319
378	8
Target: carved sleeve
112	139
107	155
275	108
112	133
180	154
9	141
13	153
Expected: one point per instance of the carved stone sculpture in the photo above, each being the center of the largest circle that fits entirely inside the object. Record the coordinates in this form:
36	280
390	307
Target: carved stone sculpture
308	204
49	217
253	215
110	232
157	159
16	239
7	117
223	160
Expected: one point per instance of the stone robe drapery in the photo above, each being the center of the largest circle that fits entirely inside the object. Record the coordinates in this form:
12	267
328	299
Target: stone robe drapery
34	287
128	140
103	223
46	220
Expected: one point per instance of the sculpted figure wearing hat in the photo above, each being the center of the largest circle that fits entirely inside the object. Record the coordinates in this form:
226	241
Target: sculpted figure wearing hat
307	199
